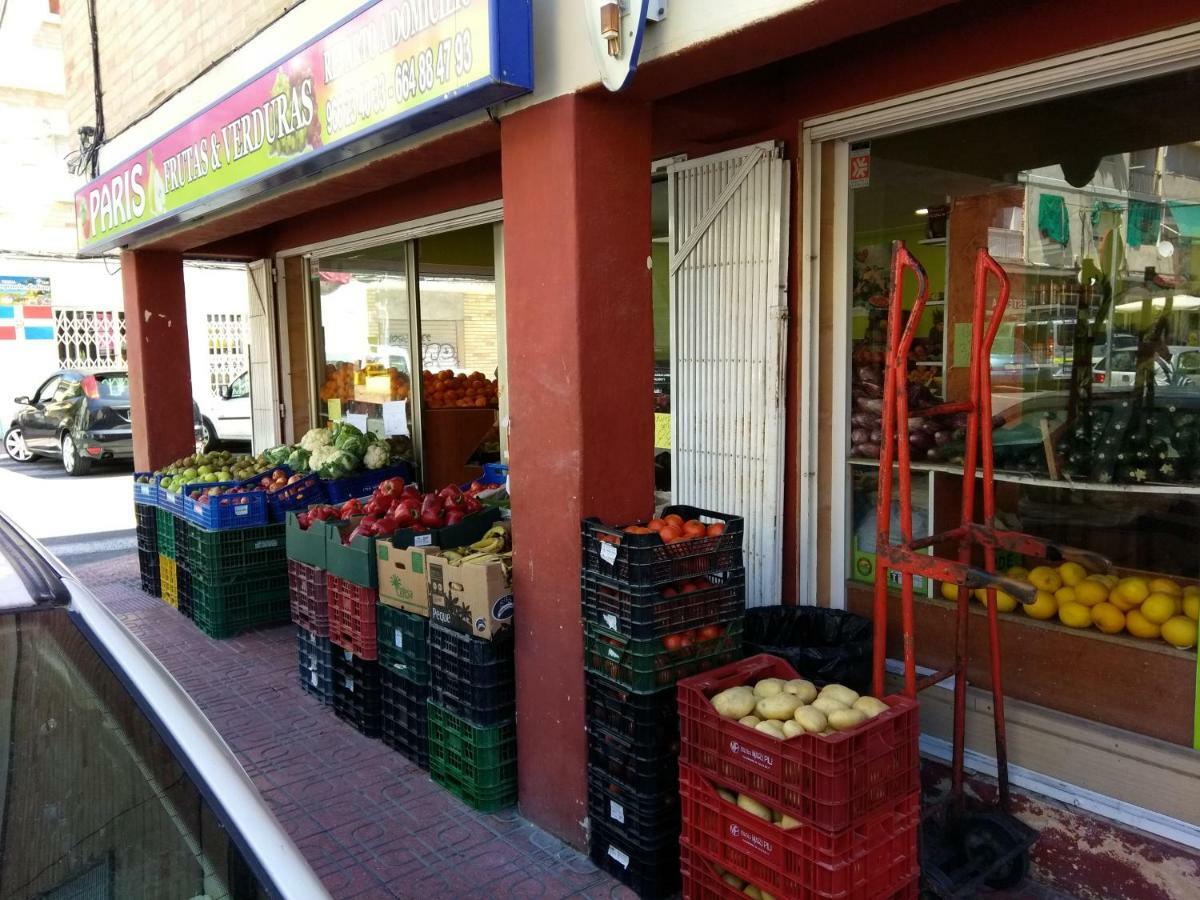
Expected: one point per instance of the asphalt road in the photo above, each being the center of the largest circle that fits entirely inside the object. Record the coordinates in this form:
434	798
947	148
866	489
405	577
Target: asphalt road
79	519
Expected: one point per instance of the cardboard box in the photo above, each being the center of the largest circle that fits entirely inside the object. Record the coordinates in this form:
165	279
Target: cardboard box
402	576
475	600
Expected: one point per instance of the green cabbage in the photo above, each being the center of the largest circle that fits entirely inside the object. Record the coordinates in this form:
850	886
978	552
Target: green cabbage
332	462
298	460
277	455
354	444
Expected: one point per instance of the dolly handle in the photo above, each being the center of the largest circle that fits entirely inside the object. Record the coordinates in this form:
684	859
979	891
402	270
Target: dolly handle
1019	590
1093	562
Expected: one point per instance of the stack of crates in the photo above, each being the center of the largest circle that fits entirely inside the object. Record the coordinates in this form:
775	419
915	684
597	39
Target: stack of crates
310	615
472	716
146	518
843	808
403	642
165	522
351	599
238	577
653	613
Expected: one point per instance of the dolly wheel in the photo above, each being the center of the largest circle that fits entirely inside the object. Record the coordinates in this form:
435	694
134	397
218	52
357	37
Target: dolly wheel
985	841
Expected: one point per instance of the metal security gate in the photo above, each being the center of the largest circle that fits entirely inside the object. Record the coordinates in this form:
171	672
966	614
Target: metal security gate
728	227
90	338
226	335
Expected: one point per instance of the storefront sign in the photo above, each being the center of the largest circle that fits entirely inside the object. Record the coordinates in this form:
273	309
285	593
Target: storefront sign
392	69
32	290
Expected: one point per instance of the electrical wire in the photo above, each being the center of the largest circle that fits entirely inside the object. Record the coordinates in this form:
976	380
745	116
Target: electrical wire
91	152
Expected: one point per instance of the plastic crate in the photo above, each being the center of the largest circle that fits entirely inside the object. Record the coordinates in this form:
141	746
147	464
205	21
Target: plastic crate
183	530
653	771
185	591
146	527
214	513
485	757
643	819
646	613
308	598
651	871
297	496
873	857
403	640
355	561
405	711
473	678
649	720
356	691
228	606
306	545
647	666
829	782
236	550
352	616
482	799
168	582
145	493
165	528
643	559
360	484
468	531
148	571
171	501
315	664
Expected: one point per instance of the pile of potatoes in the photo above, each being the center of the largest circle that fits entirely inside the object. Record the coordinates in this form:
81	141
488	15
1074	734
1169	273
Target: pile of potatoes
785	709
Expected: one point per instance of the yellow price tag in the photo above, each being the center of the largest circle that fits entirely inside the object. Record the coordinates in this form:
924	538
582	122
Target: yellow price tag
335	410
662	430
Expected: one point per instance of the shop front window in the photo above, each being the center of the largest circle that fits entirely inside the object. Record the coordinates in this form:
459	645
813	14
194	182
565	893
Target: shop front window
1092	206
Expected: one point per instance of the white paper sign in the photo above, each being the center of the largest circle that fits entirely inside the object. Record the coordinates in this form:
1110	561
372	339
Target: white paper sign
358	420
399	639
608	553
395	417
616	811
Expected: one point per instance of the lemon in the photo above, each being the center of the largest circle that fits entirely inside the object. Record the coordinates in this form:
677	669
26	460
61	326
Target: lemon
1004	602
1065	594
1045	578
1017	572
1134	589
1075	615
950	591
1072	573
1118	599
1191	590
1139	626
1191	606
1179	631
980	594
1157	608
1043	608
1165	586
1089	592
1108	618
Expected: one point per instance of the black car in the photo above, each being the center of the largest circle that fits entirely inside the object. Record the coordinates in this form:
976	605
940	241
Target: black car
78	417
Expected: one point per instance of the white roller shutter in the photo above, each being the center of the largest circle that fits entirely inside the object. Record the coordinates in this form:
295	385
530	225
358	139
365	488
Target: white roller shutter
729	223
264	390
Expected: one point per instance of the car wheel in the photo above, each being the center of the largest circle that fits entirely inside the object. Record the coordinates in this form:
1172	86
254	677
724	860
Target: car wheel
208	435
14	446
72	461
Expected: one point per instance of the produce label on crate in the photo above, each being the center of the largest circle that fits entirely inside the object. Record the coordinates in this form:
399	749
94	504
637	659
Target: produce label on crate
621	858
608	553
399	638
756	757
350	684
616	811
312	676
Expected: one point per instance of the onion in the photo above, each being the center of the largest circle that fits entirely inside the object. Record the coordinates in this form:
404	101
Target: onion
920	442
860	436
876	436
942	438
869	389
867	404
868	375
864	420
871	451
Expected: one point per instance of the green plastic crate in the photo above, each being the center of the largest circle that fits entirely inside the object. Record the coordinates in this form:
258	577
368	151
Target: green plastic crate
403	640
647	666
483	799
482	759
355	562
236	550
165	526
246	600
306	545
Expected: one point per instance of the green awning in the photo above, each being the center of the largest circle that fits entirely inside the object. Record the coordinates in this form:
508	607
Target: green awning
1187	218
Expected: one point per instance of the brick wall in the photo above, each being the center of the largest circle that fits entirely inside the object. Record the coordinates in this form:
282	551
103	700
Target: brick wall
151	48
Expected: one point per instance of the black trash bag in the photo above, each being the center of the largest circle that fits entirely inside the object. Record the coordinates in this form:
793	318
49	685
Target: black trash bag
822	645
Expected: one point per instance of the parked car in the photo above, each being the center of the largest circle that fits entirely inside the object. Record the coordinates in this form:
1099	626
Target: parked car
1123	372
78	417
226	417
1185	363
116	785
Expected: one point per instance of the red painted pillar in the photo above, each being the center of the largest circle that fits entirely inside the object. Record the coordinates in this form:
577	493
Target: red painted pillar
580	332
160	377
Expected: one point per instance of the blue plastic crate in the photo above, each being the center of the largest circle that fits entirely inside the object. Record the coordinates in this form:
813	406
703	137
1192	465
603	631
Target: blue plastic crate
495	473
145	494
172	503
361	484
297	496
224	510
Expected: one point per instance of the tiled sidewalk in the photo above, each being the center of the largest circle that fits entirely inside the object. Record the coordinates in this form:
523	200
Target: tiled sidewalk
370	822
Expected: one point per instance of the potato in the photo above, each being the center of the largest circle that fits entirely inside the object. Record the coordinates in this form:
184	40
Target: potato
750	720
751	891
798	687
733	881
768	687
827	732
726	794
791	728
771	727
734	702
845	719
780	707
787	823
828	705
811	719
840	693
763	895
872	706
752	806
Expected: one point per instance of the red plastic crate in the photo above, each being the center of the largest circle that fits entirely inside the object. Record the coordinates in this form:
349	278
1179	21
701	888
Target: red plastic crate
701	882
352	617
308	597
830	782
872	858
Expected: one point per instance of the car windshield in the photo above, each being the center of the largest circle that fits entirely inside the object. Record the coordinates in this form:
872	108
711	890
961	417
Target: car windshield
113	386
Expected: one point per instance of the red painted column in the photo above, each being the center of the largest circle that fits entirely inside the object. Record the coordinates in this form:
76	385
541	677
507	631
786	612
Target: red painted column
160	377
576	178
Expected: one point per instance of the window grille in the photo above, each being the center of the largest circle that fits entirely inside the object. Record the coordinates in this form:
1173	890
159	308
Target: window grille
90	338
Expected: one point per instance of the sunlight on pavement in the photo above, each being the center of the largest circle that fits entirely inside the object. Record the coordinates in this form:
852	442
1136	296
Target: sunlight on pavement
47	503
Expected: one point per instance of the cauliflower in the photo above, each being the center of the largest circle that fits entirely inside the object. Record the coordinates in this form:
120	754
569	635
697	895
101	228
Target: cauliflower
317	437
376	456
322	456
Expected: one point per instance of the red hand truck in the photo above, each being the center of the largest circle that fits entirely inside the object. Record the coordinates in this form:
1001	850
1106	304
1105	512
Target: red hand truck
963	845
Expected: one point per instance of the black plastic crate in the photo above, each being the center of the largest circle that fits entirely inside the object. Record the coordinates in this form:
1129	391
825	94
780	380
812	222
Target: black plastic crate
471	677
644	820
404	708
651	871
184	580
148	568
315	664
356	691
654	612
183	530
146	527
651	721
650	771
403	640
643	559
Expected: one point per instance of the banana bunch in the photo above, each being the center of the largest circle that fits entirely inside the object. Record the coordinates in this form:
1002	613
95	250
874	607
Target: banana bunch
496	539
494	546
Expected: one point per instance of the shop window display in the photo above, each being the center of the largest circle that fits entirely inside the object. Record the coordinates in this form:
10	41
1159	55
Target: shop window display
1090	206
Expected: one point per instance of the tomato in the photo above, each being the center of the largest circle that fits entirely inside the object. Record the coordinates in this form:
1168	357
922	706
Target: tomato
686	638
638	529
669	591
673	519
702	584
656	524
694	528
670	534
715	529
688	588
673	642
709	633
